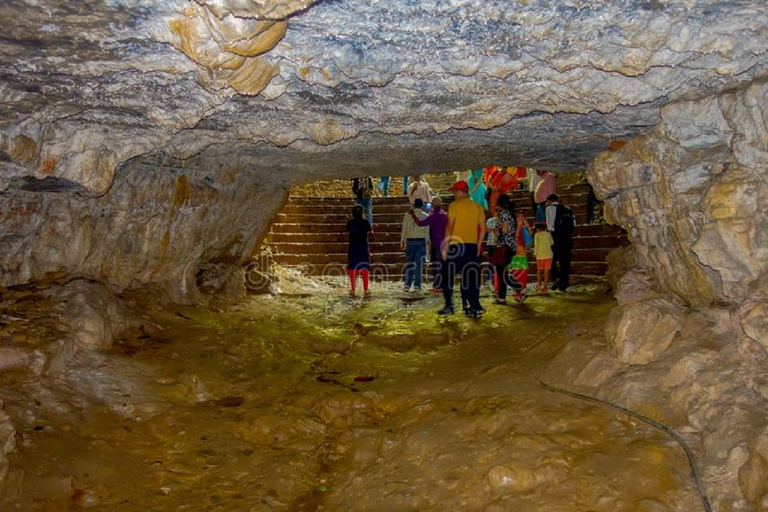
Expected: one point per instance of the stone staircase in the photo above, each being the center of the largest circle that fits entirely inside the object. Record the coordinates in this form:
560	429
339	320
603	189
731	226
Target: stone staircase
309	234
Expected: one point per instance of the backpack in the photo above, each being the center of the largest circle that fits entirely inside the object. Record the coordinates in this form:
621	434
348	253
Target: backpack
563	220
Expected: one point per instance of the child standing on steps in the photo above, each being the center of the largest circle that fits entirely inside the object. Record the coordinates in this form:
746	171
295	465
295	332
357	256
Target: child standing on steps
359	254
542	251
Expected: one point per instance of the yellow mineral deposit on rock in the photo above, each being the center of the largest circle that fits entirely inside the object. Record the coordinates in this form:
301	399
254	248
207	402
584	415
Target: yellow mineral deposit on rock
329	132
20	148
728	200
262	9
227	47
249	39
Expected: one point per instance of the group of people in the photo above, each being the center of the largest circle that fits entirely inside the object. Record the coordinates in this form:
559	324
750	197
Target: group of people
383	186
455	241
487	184
359	259
363	189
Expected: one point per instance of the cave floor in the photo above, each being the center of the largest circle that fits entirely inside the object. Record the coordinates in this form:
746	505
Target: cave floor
317	401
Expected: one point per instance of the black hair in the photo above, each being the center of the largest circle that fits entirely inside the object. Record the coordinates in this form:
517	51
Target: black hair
418	203
552	197
504	202
357	212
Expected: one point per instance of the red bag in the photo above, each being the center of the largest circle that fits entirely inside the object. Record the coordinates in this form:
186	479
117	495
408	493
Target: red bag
499	255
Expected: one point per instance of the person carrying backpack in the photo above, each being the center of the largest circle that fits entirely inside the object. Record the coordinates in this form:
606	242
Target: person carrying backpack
561	223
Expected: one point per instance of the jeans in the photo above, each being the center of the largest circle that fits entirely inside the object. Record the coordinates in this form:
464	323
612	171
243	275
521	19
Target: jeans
462	258
383	185
415	251
405	185
368	206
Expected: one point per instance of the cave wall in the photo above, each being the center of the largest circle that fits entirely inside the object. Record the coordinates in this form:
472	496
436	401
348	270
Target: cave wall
693	196
688	340
160	223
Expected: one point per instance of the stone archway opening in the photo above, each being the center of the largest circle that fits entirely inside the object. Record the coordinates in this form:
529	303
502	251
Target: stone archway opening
308	234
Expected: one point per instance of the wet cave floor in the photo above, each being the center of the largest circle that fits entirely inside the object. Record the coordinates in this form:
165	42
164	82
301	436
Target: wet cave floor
322	402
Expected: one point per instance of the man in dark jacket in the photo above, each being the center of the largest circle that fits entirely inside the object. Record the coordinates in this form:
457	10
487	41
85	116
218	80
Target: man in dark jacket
561	223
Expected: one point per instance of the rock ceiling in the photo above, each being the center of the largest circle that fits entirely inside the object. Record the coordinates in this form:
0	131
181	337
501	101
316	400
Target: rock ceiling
338	87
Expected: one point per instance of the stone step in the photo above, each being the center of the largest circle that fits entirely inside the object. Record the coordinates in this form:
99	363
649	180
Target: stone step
588	254
344	200
393	245
387	227
570	197
565	193
323	238
378	227
341	209
340	218
584	230
396	271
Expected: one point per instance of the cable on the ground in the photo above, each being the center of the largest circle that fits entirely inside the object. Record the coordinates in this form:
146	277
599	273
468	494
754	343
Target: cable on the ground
688	453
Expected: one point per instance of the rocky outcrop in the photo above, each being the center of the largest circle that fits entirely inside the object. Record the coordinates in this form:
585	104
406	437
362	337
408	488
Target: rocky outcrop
690	323
7	442
171	226
92	316
329	89
693	195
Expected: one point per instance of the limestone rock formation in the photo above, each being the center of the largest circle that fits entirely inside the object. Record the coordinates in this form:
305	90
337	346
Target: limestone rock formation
7	441
149	143
692	196
301	89
159	224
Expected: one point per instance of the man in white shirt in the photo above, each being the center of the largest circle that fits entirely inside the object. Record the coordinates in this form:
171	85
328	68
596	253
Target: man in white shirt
419	189
414	241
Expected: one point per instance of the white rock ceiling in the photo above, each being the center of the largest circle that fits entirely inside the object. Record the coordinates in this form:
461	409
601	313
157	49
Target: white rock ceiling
345	87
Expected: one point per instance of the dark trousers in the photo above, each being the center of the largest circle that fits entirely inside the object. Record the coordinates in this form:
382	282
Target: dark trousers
436	264
505	277
561	261
462	258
